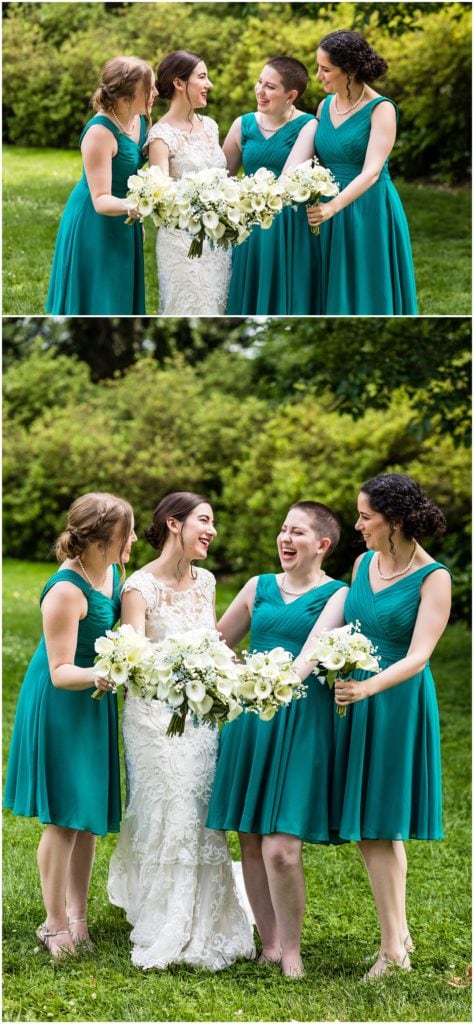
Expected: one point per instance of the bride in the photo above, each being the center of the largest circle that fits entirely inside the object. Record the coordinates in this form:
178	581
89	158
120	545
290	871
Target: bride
172	876
180	143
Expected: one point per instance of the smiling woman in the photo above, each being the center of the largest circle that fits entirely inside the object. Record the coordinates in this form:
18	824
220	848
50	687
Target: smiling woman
172	877
183	142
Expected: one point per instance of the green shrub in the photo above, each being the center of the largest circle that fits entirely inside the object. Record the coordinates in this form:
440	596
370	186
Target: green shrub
162	428
54	52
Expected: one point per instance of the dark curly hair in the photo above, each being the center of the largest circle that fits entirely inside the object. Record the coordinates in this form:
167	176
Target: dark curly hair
350	52
402	501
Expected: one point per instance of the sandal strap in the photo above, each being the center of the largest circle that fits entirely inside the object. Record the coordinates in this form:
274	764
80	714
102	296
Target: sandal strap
77	920
47	934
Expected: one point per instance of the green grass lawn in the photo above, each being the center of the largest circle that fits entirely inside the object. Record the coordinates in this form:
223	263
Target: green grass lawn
37	183
340	925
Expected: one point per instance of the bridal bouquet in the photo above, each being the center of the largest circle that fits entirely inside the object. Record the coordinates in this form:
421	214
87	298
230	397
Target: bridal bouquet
196	672
267	682
338	652
307	183
125	656
212	206
151	193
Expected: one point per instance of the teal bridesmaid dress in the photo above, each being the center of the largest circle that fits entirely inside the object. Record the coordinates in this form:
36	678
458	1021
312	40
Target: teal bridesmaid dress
276	776
63	765
367	266
387	775
98	267
277	270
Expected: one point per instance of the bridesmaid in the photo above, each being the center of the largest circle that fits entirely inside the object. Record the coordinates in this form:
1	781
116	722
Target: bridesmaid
367	266
276	271
98	264
64	763
387	784
272	779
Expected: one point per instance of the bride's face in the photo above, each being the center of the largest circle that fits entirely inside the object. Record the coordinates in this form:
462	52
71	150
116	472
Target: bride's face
198	85
198	531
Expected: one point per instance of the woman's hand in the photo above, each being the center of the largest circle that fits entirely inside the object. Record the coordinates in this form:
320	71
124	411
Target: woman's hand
348	691
318	214
101	683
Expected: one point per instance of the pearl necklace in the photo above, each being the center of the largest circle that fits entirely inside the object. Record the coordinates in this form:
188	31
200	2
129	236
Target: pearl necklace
93	585
293	593
354	105
271	131
401	571
121	126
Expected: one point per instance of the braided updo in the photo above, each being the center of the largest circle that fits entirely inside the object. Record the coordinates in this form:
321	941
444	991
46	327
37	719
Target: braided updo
401	500
350	52
92	518
119	79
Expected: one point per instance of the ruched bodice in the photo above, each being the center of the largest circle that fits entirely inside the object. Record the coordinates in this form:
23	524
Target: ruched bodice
260	150
344	148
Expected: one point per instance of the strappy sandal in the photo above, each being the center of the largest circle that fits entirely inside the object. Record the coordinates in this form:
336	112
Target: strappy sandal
294	973
86	945
390	967
267	961
407	942
44	935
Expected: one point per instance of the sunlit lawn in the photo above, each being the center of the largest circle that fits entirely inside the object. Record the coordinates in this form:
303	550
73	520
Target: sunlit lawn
340	926
37	183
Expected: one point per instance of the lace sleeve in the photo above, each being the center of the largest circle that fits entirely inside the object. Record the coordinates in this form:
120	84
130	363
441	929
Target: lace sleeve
143	582
166	133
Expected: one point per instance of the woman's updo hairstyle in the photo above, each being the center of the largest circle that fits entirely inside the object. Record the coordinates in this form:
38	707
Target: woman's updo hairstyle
119	79
177	505
92	518
350	52
179	64
402	501
292	72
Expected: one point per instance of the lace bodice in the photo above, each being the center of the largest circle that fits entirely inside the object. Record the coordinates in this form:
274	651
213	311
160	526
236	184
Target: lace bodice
172	611
190	151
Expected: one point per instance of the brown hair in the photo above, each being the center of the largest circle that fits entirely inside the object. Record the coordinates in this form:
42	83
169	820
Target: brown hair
399	499
93	518
177	505
292	72
325	521
179	64
119	79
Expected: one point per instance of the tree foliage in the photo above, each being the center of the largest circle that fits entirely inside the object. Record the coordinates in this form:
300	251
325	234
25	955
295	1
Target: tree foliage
53	52
162	427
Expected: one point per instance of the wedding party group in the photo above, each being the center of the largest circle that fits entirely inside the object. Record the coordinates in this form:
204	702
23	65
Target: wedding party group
355	761
343	250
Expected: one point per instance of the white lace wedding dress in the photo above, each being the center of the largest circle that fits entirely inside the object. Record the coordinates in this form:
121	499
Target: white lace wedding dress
198	286
172	876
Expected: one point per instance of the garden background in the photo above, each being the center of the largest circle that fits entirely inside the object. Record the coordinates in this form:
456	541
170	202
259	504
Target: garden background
255	414
52	53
